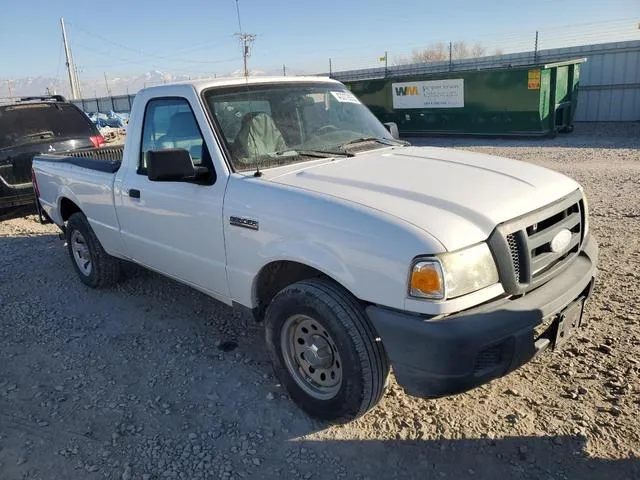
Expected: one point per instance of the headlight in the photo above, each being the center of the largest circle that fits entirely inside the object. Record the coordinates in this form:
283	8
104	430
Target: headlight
451	275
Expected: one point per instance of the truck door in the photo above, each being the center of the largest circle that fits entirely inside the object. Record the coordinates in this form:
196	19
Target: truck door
175	227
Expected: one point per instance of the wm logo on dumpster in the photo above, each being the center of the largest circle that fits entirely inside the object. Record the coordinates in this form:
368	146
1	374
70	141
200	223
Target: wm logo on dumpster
405	91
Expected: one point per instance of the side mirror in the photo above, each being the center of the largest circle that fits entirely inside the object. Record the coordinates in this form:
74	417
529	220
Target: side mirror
171	165
393	129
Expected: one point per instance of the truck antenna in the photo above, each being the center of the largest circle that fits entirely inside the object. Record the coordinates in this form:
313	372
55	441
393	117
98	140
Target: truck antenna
246	40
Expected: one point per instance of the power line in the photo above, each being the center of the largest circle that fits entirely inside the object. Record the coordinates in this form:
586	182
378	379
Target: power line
137	51
238	12
99	52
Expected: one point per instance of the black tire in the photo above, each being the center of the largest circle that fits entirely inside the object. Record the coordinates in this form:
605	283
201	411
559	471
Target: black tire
105	269
365	365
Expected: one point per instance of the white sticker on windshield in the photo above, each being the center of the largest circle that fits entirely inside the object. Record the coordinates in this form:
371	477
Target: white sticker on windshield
345	97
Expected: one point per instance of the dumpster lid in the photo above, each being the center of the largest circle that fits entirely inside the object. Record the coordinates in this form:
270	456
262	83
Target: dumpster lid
565	62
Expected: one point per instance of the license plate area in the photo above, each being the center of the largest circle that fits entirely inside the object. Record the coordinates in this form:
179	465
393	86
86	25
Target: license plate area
567	322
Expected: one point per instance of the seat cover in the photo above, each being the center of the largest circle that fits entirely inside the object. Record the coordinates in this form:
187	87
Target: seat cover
258	136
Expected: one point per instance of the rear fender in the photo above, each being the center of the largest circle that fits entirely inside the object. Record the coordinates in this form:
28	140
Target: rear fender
65	193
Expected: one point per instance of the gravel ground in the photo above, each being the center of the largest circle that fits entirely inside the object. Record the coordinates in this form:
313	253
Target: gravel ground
135	382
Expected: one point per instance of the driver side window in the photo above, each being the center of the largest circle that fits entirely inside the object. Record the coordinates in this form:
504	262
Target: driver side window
170	123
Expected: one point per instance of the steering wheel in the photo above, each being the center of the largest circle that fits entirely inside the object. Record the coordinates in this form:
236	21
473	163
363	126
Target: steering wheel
325	129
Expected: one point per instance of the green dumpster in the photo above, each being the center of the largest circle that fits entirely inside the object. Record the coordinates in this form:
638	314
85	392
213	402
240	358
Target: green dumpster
524	100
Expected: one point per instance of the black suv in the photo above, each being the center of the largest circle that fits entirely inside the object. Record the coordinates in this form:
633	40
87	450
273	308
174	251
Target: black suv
31	126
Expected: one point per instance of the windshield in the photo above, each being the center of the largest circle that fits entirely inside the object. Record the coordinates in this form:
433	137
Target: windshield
42	122
278	124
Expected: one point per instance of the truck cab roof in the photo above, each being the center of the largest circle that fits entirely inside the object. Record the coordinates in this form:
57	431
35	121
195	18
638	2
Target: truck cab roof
200	85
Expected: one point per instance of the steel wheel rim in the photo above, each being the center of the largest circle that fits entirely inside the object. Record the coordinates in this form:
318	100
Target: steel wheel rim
81	253
311	356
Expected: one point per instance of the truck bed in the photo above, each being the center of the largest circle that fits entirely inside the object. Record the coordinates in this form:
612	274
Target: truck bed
84	178
107	160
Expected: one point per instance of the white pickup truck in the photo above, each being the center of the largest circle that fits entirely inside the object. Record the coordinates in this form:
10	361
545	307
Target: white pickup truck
359	252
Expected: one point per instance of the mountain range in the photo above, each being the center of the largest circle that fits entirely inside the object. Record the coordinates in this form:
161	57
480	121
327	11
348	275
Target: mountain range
118	85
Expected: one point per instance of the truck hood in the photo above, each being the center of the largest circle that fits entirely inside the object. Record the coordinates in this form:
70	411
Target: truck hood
458	197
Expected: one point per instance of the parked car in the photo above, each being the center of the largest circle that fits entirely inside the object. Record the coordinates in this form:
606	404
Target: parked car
34	125
287	197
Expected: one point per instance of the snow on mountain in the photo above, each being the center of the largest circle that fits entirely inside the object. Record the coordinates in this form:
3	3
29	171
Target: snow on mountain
119	85
31	86
89	88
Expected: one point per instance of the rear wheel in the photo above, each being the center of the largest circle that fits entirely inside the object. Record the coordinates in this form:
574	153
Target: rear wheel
324	350
95	267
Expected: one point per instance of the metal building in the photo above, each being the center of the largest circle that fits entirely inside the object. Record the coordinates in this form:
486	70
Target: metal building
609	82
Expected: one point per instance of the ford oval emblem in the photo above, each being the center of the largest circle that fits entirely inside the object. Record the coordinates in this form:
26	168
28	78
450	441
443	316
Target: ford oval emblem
561	241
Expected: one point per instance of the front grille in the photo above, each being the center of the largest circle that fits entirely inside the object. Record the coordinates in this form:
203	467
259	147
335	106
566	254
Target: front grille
514	249
539	239
528	259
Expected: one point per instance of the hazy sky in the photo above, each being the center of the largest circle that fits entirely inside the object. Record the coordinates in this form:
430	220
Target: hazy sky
196	36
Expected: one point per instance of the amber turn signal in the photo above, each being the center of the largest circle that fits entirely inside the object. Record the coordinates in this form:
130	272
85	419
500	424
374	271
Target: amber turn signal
427	280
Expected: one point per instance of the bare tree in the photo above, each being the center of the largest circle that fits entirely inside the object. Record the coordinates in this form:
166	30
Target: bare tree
478	50
433	53
460	50
440	52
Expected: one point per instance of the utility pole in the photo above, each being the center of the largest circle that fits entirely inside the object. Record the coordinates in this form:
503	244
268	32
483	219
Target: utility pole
330	72
246	40
450	56
535	50
10	88
106	83
73	72
386	63
284	70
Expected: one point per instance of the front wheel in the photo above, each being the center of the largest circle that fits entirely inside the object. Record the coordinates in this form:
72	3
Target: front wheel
95	267
324	350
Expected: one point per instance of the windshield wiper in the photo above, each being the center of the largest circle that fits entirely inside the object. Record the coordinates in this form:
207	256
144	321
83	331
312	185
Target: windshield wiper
43	134
384	141
315	153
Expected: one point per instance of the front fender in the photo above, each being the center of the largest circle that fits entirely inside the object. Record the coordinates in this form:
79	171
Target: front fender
365	271
313	255
366	251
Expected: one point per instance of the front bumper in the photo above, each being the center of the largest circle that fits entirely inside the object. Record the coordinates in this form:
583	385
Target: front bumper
434	358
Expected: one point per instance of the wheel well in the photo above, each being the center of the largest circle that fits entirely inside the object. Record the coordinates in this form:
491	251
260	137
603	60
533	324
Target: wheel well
68	208
274	277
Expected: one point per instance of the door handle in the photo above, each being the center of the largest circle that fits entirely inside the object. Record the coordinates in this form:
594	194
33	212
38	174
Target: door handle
134	193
